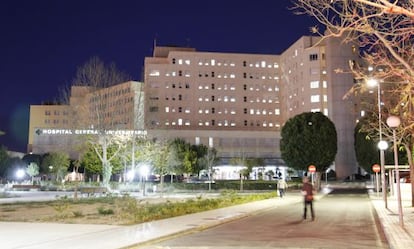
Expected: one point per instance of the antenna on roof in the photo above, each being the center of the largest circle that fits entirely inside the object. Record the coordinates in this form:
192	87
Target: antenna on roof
155	45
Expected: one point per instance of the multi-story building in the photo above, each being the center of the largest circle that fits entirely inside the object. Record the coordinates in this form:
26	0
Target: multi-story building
228	101
315	78
234	102
58	127
238	103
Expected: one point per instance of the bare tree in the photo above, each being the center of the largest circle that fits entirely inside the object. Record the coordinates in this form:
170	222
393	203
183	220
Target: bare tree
384	31
101	109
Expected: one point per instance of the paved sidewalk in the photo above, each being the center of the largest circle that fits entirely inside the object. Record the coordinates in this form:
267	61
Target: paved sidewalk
48	236
399	237
19	235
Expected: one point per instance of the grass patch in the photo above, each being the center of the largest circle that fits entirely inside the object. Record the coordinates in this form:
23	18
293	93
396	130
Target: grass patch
121	210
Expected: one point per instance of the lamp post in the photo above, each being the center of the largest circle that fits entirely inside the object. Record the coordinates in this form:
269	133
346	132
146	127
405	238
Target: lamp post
372	83
393	122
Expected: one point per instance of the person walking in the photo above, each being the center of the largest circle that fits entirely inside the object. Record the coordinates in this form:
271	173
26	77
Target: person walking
307	192
282	186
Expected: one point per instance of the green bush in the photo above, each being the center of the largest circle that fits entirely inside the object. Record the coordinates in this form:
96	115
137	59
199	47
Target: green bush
133	211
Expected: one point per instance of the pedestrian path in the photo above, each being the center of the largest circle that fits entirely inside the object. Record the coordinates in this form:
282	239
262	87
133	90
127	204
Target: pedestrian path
399	237
48	236
20	235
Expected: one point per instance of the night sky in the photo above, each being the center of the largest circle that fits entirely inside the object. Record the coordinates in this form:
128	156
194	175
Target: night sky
43	42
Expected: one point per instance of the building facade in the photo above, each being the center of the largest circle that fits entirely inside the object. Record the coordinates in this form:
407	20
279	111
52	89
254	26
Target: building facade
236	103
60	127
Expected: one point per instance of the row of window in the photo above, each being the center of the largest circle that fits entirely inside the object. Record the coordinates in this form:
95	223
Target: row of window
215	62
187	74
56	113
226	87
220	123
56	121
109	93
225	111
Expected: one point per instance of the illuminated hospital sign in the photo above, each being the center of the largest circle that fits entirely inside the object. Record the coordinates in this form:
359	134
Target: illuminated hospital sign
90	132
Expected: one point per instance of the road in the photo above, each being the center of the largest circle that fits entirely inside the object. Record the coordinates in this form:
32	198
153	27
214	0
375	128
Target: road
345	218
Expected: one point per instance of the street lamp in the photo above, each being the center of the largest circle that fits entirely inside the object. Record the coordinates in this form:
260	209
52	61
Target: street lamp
144	170
393	122
372	83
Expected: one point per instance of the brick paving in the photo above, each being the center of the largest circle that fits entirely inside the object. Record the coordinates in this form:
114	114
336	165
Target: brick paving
399	237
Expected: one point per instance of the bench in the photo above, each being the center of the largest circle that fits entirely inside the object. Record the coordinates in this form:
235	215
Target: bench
91	191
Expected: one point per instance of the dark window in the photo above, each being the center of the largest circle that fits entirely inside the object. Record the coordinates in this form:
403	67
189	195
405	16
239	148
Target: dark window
245	122
313	57
212	86
180	109
173	61
187	85
245	87
213	122
173	85
245	99
212	74
180	73
180	97
245	75
213	110
244	63
153	109
212	98
245	110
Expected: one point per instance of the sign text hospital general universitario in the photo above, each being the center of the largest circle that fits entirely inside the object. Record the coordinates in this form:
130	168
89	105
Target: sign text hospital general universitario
89	132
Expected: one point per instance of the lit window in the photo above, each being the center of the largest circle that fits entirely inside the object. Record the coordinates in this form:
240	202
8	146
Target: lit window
154	73
263	64
167	109
316	110
315	98
324	84
325	111
213	62
325	98
314	84
180	121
